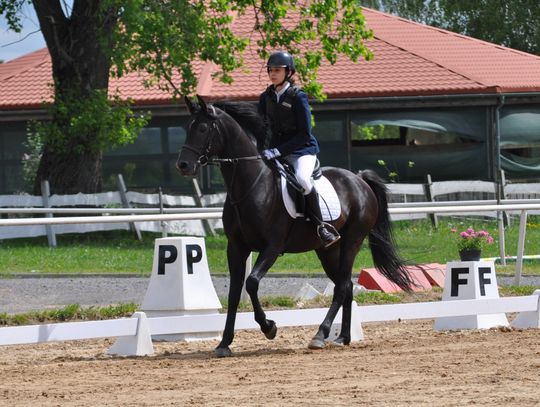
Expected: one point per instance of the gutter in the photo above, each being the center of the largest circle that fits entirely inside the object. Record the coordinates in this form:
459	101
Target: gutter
415	98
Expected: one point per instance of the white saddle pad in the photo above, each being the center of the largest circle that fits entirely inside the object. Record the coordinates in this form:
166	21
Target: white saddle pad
328	199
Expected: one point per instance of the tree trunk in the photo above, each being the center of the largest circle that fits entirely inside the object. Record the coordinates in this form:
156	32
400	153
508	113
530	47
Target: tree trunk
71	173
80	67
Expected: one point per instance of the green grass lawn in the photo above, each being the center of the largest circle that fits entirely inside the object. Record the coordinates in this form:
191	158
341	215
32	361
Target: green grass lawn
119	252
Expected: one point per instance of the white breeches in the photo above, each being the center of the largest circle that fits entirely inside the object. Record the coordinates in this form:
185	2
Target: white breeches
303	167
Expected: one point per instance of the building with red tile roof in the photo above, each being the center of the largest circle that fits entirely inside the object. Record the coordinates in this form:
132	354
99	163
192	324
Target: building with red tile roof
427	93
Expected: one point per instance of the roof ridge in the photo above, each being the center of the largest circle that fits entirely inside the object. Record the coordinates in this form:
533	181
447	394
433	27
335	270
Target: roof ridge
429	61
206	82
445	31
433	60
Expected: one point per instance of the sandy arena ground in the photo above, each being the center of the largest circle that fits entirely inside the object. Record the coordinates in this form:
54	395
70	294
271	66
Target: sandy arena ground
397	364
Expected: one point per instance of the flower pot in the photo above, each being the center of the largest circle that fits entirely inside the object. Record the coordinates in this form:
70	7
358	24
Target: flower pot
470	255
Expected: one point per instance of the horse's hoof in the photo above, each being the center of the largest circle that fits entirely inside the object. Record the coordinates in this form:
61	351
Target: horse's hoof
271	334
222	352
341	341
316	343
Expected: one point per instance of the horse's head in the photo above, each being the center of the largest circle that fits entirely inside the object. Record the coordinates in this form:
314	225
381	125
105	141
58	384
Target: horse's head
202	138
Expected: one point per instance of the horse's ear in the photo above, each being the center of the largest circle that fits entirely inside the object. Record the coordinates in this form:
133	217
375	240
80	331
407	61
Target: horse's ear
202	103
190	105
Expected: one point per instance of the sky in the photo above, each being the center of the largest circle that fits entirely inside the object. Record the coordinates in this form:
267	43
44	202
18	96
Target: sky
12	44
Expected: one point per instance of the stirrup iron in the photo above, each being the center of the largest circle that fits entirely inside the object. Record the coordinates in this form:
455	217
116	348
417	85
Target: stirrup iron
328	241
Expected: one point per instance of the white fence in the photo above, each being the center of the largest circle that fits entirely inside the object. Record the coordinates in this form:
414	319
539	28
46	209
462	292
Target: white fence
216	214
139	329
108	203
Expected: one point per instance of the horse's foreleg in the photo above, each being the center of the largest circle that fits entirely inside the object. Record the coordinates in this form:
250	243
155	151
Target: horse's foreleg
265	260
236	256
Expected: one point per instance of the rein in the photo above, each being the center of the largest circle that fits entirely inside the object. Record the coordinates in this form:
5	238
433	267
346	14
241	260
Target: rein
235	160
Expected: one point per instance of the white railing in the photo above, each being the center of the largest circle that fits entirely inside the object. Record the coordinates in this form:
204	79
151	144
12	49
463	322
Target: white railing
217	213
60	205
139	329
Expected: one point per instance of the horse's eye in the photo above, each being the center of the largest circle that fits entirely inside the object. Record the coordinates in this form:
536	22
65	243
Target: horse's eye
203	127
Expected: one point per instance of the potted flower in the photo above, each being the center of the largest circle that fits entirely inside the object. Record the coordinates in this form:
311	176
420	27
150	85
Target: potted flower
471	242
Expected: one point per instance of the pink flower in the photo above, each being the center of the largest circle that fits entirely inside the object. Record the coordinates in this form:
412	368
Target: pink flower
473	240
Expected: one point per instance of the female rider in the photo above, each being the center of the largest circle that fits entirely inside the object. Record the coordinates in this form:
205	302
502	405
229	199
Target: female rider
287	115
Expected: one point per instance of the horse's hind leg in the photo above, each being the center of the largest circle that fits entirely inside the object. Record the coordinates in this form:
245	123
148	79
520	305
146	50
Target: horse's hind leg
337	263
237	255
344	337
264	261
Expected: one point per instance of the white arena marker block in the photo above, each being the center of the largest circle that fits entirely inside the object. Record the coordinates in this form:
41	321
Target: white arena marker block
135	345
528	319
329	289
470	280
307	292
180	284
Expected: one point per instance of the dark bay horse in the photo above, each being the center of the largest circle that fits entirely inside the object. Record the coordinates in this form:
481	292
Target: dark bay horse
255	219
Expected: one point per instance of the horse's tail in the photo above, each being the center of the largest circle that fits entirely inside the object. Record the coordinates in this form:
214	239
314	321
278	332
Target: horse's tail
381	239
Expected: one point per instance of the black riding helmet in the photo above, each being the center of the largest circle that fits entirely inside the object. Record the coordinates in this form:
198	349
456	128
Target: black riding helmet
282	59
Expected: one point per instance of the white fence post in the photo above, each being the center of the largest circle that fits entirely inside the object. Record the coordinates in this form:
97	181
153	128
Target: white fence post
198	199
244	296
521	246
162	223
45	193
502	248
125	202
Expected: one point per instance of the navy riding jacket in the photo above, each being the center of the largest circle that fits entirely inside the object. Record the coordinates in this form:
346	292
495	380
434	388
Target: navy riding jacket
289	121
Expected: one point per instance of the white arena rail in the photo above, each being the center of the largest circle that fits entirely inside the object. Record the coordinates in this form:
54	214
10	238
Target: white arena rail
138	329
428	208
112	219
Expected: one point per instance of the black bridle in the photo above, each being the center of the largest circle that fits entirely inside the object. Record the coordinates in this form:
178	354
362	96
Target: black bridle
203	155
203	160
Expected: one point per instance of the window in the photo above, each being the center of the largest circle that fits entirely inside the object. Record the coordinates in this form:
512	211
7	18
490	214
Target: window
380	134
330	132
148	142
327	130
177	138
12	138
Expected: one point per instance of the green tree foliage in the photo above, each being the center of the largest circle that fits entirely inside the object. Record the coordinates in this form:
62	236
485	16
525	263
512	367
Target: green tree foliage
512	23
167	37
97	38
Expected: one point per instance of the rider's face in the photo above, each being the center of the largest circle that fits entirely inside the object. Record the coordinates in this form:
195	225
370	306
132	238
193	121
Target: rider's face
276	75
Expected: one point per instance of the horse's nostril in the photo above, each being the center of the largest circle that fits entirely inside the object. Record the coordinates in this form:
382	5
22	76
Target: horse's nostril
181	167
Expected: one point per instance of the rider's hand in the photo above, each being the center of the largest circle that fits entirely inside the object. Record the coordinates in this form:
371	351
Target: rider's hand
271	154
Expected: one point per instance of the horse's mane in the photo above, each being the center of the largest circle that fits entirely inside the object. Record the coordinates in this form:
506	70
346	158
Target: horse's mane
247	116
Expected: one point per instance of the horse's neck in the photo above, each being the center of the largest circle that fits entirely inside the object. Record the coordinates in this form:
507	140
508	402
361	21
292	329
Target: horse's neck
238	144
246	180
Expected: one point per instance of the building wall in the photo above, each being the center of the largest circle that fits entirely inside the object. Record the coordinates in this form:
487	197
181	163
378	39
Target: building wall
449	143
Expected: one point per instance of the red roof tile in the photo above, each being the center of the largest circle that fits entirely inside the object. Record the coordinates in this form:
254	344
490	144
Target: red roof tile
410	59
488	64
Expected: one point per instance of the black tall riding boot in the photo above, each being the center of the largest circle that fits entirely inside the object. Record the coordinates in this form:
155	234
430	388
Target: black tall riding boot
326	232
